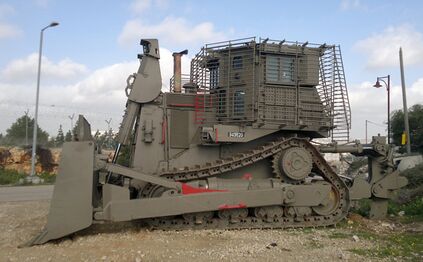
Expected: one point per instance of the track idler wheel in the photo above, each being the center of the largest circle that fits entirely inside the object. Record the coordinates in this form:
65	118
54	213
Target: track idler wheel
298	212
198	218
293	165
268	214
329	205
233	215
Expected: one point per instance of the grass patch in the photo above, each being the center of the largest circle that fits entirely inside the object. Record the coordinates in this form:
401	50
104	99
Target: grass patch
308	230
413	210
48	178
10	177
398	245
363	207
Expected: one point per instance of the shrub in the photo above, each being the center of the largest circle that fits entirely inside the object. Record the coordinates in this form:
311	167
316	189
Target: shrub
8	177
48	178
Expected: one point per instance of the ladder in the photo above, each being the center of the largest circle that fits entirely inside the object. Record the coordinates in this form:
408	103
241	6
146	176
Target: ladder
334	94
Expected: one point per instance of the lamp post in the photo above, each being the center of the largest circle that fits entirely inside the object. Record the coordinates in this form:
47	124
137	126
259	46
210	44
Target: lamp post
34	139
388	89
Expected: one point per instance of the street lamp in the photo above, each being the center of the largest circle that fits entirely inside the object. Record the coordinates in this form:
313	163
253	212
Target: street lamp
388	89
34	139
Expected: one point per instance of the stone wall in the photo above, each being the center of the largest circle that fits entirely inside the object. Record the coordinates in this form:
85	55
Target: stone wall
19	159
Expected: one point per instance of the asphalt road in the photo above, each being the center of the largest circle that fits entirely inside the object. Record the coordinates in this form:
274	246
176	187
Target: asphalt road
26	193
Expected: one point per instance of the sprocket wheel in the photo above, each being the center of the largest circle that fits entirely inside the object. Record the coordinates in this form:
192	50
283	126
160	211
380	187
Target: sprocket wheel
292	165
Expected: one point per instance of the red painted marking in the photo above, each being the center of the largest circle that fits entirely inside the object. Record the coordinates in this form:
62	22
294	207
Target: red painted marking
188	190
216	134
226	206
182	105
247	176
164	127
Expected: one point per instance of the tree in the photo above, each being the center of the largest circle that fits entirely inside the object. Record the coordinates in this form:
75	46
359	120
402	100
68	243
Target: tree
415	119
60	138
51	142
124	157
109	142
16	134
68	136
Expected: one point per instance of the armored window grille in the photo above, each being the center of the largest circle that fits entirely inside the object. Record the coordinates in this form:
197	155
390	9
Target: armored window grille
214	77
237	62
221	103
239	97
280	69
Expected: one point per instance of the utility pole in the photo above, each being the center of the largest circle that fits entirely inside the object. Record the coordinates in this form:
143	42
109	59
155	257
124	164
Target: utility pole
71	120
26	126
108	135
404	101
371	122
108	123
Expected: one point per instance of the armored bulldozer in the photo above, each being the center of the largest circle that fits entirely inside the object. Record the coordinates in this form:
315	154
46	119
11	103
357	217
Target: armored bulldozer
234	144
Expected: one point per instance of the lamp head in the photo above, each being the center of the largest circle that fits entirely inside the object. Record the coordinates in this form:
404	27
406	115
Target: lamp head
52	24
377	84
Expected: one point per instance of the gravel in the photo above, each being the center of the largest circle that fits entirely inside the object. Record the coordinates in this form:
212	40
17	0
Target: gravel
19	221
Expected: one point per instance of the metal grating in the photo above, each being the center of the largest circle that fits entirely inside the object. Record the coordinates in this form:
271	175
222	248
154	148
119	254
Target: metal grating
185	79
290	73
224	75
293	84
334	94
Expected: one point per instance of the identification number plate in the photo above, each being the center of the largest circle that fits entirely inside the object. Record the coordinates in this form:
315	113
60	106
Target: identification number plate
236	134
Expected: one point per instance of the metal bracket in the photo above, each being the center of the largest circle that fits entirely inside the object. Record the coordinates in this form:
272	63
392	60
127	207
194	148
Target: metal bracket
148	131
143	177
389	182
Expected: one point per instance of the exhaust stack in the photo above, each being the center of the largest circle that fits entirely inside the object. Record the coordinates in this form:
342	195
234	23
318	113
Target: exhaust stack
177	57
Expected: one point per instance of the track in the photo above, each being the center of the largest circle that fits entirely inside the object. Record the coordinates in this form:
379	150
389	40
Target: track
248	218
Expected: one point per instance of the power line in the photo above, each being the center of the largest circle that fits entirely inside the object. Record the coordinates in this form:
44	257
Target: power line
16	103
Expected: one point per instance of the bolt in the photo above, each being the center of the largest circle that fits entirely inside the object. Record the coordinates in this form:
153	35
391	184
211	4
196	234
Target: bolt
290	194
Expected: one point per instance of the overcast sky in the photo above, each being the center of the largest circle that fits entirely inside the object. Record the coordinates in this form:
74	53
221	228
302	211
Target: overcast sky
87	58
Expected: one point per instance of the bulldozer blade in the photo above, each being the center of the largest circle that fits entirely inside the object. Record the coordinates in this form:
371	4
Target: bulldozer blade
71	206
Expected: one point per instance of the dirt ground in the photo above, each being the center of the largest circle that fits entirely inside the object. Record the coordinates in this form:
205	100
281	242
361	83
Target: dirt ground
19	221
